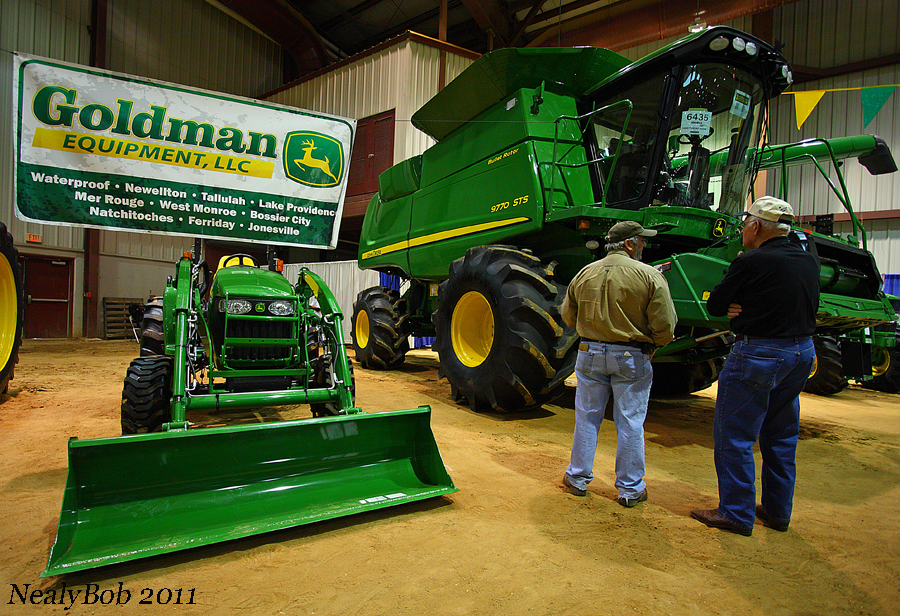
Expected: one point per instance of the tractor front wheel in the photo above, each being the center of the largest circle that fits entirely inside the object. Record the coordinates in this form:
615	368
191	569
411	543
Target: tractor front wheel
379	337
500	338
826	378
12	308
323	377
147	394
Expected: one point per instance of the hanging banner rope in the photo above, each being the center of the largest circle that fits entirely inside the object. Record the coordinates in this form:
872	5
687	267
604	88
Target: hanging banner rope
873	99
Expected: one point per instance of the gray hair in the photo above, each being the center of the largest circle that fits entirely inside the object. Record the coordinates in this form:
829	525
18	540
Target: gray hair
770	225
616	246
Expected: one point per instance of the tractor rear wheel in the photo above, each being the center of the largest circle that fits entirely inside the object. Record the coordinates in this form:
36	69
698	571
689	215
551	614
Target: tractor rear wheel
153	338
500	338
826	378
146	395
12	308
378	326
886	368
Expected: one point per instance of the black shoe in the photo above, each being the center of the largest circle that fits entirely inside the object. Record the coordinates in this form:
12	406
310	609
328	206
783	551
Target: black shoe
573	489
631	502
714	519
765	519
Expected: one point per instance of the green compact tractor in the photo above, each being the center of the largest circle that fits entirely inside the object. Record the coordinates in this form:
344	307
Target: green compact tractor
12	308
539	152
258	341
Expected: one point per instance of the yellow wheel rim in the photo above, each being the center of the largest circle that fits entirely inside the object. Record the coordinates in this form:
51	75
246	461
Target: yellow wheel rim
362	329
882	363
9	313
815	367
472	329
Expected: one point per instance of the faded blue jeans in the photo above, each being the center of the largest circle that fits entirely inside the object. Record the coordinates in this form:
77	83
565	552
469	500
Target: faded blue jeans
758	399
625	373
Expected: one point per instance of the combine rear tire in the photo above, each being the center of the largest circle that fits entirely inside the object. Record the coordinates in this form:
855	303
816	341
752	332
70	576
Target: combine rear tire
153	338
826	378
379	336
147	394
500	337
12	308
886	368
671	380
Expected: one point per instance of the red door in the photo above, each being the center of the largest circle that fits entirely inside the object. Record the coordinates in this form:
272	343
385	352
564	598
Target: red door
48	296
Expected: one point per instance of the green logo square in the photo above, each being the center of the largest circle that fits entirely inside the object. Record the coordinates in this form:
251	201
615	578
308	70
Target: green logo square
313	159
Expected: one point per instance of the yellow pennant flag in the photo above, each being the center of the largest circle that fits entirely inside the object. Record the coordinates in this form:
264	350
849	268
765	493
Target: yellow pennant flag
805	102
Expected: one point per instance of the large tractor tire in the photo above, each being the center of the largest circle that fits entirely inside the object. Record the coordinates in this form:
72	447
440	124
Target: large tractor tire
380	339
153	338
500	337
886	368
12	308
147	394
826	378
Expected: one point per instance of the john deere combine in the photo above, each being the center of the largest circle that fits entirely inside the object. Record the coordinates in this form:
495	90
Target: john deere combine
540	151
258	341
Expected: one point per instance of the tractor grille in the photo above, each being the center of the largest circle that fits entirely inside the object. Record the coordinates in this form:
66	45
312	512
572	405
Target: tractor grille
262	329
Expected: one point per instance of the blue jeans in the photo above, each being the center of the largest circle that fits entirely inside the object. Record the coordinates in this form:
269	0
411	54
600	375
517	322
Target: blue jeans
625	373
758	399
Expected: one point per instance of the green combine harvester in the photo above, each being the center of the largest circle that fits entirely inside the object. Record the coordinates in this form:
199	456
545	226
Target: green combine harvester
539	152
258	341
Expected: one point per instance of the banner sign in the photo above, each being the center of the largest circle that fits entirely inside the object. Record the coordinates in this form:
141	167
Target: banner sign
101	149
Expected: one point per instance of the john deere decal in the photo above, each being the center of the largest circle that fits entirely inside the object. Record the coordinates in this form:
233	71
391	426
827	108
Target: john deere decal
101	149
313	159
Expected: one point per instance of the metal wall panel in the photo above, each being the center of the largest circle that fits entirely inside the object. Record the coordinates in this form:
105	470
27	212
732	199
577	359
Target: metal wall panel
401	77
344	279
825	34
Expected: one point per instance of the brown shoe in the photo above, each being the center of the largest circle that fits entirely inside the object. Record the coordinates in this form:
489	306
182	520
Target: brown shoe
714	519
765	519
573	489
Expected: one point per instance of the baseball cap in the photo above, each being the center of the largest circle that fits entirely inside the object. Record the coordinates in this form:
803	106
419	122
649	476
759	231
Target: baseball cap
771	208
627	229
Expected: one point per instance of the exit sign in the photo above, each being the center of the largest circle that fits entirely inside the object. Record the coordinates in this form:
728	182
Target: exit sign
34	238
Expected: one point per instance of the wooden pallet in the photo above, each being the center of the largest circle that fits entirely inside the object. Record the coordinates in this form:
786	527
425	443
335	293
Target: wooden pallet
116	325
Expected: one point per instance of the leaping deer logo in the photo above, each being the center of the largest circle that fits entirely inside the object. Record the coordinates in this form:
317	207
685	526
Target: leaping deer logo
309	162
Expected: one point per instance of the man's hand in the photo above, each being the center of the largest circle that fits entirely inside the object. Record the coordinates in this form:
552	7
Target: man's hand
733	310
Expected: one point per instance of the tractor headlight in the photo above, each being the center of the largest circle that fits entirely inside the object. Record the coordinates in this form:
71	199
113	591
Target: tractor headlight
237	306
281	308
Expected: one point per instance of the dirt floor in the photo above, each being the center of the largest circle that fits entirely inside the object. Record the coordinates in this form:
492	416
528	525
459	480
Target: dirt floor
511	541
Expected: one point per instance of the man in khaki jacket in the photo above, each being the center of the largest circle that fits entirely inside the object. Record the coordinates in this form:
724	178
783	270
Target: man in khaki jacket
623	311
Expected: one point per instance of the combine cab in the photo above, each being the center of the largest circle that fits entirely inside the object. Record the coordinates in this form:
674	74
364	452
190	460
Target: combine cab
539	153
259	341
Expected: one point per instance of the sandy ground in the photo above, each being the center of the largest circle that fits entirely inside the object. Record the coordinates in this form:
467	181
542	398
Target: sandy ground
511	541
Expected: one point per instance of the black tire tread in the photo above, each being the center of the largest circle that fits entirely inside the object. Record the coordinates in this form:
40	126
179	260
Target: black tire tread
388	339
828	378
146	394
11	255
153	338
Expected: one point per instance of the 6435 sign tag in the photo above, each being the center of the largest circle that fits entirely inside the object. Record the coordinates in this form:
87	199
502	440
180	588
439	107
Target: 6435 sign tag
696	122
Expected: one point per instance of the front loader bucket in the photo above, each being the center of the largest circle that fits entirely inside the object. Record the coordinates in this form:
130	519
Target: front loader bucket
134	496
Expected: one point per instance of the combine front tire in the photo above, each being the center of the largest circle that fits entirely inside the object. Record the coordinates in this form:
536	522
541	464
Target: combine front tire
147	394
500	337
153	339
12	308
826	378
379	338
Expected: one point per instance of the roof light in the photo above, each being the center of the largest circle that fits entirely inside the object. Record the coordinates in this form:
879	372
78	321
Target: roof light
738	43
718	43
751	48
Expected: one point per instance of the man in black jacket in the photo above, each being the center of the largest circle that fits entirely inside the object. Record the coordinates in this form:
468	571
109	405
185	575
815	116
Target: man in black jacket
771	294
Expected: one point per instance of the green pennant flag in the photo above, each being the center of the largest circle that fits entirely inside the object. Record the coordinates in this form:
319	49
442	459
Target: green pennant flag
873	99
